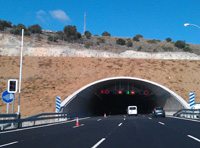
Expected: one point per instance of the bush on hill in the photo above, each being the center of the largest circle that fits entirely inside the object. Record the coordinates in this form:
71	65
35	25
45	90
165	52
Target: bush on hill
168	39
105	33
180	44
120	41
35	29
88	34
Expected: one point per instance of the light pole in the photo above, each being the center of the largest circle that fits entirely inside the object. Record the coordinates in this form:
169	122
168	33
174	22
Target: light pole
188	24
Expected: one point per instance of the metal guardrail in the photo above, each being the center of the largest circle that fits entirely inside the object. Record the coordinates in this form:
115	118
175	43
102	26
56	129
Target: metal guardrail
16	121
188	113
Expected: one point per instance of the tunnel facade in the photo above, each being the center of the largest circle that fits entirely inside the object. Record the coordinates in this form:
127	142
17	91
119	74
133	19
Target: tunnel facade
114	95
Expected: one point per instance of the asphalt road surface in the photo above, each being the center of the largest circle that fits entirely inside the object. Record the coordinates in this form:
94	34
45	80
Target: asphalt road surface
120	131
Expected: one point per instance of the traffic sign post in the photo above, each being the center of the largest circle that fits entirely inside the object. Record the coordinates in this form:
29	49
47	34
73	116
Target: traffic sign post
8	98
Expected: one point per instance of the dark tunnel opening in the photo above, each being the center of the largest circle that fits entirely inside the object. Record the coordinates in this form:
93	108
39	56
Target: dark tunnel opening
104	97
117	104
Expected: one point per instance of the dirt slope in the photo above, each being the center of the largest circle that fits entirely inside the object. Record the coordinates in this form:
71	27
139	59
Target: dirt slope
44	78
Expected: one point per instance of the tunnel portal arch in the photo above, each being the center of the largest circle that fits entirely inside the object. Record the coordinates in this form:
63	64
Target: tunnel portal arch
88	99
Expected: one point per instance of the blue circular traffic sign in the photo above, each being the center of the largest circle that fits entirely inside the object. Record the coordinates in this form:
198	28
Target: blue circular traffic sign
8	97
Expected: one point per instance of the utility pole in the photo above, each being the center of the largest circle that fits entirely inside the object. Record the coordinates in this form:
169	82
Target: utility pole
84	29
20	75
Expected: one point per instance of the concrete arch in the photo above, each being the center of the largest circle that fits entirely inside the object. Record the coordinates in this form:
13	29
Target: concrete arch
83	99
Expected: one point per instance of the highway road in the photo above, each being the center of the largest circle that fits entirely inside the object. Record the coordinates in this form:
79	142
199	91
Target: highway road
118	131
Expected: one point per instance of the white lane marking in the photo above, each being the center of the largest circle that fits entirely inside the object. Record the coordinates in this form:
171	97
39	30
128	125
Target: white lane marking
124	118
9	144
194	138
150	118
99	120
42	126
98	143
184	119
161	123
120	124
82	124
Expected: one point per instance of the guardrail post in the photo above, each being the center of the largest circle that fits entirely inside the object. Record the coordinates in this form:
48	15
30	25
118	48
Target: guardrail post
19	122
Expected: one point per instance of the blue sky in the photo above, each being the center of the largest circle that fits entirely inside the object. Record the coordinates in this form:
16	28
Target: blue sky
154	19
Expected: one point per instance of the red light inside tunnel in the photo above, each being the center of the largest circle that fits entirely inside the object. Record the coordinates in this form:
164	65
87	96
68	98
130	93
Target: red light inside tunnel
102	92
132	92
107	91
146	92
119	92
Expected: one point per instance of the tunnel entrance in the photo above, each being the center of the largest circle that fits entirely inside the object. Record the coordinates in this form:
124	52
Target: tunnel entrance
114	95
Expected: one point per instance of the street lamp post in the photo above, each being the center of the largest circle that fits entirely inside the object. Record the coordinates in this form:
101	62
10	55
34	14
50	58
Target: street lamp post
188	24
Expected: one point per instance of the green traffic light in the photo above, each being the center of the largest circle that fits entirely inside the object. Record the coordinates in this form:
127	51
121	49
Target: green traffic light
128	92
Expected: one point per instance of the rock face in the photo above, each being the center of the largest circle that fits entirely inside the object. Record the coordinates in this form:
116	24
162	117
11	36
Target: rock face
10	46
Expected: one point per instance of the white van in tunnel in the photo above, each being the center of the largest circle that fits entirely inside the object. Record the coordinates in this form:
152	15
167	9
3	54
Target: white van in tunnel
132	110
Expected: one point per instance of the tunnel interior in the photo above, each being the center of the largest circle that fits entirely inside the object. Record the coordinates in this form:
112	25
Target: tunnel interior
115	95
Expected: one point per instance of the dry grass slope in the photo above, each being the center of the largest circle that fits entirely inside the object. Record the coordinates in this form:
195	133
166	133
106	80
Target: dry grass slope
44	78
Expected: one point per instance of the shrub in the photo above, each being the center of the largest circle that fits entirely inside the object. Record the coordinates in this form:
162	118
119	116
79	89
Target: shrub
105	33
4	24
187	49
168	39
120	41
87	45
152	41
139	48
136	39
71	33
35	29
139	36
18	30
129	43
180	44
88	34
167	48
100	40
52	38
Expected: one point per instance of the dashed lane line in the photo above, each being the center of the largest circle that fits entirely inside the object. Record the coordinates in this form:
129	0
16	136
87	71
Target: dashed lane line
99	120
9	144
98	143
120	124
194	138
161	123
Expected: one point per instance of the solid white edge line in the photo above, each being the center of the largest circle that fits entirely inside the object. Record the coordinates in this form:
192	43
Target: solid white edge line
9	144
161	123
194	138
183	119
51	124
98	143
120	124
